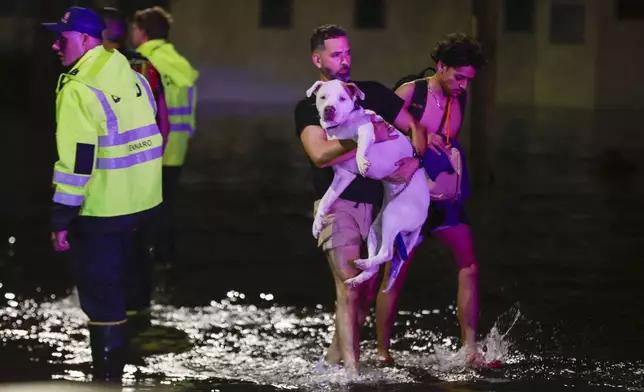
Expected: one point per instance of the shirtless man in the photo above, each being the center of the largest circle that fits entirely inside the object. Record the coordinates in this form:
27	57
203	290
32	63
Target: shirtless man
457	57
347	224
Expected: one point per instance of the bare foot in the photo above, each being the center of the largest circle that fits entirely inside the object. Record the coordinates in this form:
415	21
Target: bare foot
385	360
352	371
475	360
324	367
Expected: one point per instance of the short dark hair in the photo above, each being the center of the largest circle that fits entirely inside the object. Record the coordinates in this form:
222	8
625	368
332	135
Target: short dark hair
155	22
323	33
459	50
116	25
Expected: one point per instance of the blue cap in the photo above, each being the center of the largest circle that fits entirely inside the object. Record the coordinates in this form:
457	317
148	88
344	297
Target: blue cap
82	20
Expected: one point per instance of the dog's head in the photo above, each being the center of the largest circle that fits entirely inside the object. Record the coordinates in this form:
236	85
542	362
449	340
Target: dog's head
335	100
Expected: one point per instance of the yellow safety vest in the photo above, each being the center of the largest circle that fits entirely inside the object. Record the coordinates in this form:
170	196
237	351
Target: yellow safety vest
178	78
109	144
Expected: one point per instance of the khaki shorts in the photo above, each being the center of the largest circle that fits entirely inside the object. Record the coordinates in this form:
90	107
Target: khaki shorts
347	223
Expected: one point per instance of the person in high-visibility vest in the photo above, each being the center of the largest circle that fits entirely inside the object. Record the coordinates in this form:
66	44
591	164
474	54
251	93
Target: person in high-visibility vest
115	36
139	278
150	34
107	178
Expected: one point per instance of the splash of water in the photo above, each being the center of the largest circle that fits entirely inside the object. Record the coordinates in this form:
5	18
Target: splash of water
269	344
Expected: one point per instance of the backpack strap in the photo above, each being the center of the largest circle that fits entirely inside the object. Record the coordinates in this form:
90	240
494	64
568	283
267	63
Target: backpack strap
418	99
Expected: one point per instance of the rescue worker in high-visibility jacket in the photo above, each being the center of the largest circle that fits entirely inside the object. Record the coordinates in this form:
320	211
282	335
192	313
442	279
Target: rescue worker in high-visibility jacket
107	178
115	37
149	34
139	276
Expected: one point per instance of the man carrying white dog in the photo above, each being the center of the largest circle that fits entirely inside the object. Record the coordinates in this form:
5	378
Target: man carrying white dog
347	224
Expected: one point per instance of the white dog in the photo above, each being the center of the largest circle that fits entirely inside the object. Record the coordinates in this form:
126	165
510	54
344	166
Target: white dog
405	206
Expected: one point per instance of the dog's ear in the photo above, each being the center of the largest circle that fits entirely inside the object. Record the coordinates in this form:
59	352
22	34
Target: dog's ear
354	90
314	89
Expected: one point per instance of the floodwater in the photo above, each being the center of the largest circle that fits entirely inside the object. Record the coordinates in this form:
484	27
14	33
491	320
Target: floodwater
557	233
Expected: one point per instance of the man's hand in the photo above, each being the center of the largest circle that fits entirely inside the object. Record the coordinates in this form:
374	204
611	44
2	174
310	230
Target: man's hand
406	169
381	130
59	240
435	142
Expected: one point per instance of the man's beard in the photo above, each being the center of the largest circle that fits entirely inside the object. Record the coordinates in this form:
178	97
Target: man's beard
340	76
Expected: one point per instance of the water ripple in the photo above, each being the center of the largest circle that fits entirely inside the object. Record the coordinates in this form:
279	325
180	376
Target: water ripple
282	346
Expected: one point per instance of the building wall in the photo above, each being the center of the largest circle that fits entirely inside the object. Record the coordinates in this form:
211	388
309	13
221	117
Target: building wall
241	62
620	60
603	72
516	64
535	71
565	73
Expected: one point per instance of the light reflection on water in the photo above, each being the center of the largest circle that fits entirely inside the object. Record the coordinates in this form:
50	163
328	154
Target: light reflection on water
282	346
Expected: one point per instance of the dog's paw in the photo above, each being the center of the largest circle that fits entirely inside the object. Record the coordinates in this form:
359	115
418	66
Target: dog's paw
355	281
362	264
361	277
363	165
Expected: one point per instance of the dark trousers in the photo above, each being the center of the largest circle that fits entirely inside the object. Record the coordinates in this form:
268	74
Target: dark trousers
165	234
113	274
138	280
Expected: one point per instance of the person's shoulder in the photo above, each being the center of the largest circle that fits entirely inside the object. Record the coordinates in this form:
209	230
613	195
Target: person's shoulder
305	114
307	101
374	89
406	90
376	94
72	87
133	55
305	104
74	95
371	85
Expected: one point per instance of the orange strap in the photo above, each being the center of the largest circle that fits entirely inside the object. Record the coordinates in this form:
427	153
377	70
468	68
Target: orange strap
448	123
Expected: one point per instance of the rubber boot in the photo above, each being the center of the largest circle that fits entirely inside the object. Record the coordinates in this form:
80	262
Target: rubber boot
108	343
138	322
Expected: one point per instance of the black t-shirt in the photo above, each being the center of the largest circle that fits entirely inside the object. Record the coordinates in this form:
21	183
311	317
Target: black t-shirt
378	98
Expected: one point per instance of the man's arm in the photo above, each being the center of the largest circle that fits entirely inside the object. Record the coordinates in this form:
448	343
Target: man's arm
408	125
332	152
344	157
406	122
76	140
406	91
322	151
